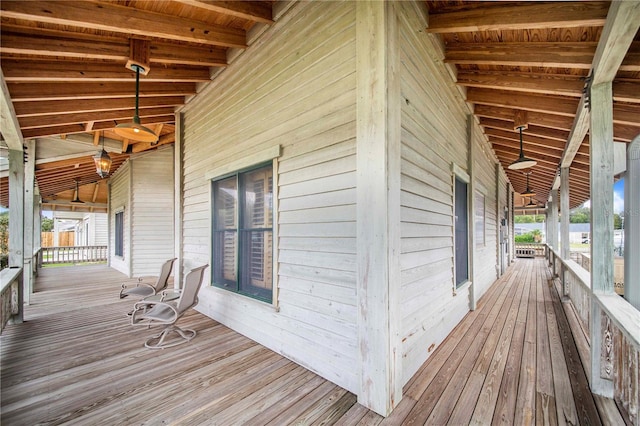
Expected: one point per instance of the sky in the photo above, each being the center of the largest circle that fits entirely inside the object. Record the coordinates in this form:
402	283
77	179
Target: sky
618	197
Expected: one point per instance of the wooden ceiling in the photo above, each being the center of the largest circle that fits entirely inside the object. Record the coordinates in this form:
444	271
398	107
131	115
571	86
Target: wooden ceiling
534	58
64	67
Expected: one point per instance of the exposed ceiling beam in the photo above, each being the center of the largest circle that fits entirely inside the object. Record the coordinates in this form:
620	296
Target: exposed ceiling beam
51	91
37	70
125	20
545	132
623	21
539	103
113	50
532	54
521	17
541	119
523	82
251	10
98	125
74	118
25	109
9	126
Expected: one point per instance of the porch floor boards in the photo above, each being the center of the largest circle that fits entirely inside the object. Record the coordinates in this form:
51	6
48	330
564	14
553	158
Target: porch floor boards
77	360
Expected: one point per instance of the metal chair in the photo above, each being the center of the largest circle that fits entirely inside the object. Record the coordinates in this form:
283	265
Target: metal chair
155	312
145	289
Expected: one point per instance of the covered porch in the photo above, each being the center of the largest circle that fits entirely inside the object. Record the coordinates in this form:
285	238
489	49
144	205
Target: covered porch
76	359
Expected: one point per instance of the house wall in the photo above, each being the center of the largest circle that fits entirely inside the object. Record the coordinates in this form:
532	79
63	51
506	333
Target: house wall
98	232
152	211
119	199
296	90
485	258
435	136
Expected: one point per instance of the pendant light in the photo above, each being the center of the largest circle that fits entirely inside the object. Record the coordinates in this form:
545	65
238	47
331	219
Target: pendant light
522	162
102	161
528	192
77	199
134	130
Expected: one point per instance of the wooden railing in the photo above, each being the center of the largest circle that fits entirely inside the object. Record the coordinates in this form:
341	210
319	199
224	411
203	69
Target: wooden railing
10	295
77	254
619	331
538	248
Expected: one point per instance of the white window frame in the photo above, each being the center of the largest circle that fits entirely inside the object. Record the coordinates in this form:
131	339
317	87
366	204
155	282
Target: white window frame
257	158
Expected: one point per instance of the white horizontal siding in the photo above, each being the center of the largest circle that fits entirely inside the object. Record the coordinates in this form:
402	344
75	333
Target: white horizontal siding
296	90
100	234
434	135
119	191
485	261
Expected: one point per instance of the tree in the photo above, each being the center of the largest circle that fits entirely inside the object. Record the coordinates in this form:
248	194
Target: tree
580	215
47	224
617	221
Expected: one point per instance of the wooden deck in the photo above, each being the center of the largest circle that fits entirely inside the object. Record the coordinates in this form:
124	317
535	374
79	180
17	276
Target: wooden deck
77	360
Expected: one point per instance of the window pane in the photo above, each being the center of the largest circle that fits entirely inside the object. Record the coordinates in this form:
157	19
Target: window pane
461	232
225	201
257	191
224	267
119	231
224	245
256	263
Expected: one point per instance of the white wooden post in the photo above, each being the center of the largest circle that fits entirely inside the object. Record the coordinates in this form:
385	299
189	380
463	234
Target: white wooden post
601	170
29	185
378	200
564	224
553	220
632	225
177	202
471	196
16	218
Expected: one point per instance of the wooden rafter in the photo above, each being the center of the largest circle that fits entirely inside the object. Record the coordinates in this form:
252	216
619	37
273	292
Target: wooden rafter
124	20
522	16
251	10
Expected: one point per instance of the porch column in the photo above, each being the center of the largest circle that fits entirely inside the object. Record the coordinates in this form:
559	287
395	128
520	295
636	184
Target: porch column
601	169
632	225
16	218
378	200
29	184
177	202
564	208
553	220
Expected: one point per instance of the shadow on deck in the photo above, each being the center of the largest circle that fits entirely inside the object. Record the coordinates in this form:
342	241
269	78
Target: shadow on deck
77	359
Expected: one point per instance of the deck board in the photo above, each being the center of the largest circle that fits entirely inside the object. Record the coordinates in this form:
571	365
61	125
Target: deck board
77	360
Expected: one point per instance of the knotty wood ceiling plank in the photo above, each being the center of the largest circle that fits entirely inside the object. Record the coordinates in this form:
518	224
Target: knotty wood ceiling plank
251	10
113	50
521	17
122	19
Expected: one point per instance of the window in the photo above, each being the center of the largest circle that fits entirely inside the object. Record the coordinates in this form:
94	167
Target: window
479	207
461	227
243	233
119	228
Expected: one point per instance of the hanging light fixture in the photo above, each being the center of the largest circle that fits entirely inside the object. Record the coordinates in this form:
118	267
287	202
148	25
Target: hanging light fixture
528	192
522	162
531	203
134	130
102	161
77	199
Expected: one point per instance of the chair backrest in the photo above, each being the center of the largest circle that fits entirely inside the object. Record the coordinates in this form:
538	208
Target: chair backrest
190	289
163	278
